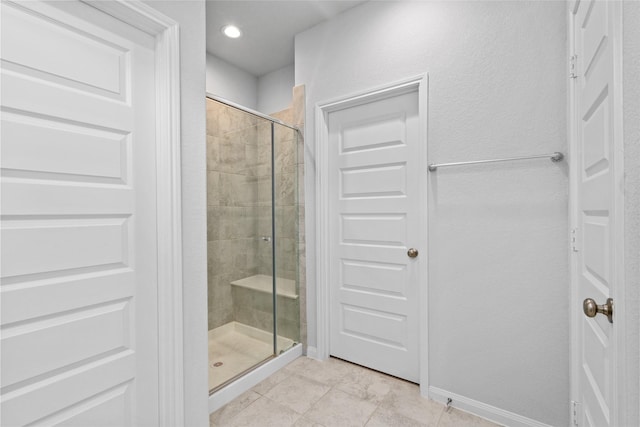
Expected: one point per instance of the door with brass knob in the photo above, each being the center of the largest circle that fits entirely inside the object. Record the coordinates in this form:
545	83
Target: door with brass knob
412	253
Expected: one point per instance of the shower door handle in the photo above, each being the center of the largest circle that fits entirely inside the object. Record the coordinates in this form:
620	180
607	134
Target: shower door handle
412	253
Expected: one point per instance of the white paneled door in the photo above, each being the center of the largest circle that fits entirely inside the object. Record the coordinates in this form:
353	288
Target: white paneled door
79	253
597	181
374	174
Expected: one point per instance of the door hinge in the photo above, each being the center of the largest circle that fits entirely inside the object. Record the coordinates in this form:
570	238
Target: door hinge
573	67
574	240
575	407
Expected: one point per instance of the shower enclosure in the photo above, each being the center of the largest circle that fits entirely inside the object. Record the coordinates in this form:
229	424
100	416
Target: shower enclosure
252	240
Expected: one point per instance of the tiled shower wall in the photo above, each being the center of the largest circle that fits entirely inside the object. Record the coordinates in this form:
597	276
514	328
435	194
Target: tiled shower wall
232	205
256	308
291	261
285	201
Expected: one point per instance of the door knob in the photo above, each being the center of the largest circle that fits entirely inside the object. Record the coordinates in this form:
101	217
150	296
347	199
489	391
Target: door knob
590	308
412	253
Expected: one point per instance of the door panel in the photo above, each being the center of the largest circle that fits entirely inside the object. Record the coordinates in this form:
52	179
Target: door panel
34	43
50	246
78	218
68	395
110	320
374	211
99	155
596	211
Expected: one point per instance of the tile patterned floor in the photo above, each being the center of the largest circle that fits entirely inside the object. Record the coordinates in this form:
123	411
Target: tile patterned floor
336	393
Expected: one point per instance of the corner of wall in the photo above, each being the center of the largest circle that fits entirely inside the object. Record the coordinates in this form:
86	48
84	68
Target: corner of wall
190	16
274	89
230	82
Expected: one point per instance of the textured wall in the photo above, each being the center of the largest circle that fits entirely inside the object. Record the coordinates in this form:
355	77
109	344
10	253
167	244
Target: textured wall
499	276
190	17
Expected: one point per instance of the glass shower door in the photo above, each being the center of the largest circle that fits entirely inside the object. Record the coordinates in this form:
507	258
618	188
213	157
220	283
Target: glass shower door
285	202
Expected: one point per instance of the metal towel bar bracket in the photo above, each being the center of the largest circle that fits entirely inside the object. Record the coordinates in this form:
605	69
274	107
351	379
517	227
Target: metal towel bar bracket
555	157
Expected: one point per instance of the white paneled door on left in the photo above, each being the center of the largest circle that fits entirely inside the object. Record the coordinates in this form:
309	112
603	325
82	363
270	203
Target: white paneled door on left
374	183
79	252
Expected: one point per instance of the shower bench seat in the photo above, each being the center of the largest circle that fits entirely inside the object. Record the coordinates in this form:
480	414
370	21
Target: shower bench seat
253	304
262	283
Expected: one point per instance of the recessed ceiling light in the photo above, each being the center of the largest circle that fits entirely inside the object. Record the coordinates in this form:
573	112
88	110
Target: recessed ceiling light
231	31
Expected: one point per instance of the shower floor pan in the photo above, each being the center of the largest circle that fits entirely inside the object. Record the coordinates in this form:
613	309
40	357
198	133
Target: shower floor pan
235	348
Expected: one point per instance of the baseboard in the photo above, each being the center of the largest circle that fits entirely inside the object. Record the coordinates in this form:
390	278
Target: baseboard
236	388
483	410
312	352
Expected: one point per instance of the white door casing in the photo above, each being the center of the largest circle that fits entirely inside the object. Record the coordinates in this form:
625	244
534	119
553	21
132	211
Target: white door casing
372	209
88	175
597	213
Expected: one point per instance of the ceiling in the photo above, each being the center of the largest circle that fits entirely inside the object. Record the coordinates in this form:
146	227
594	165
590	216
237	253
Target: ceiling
268	29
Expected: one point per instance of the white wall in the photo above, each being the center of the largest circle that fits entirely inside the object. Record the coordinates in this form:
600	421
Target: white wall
190	16
631	117
232	83
268	94
275	89
499	276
